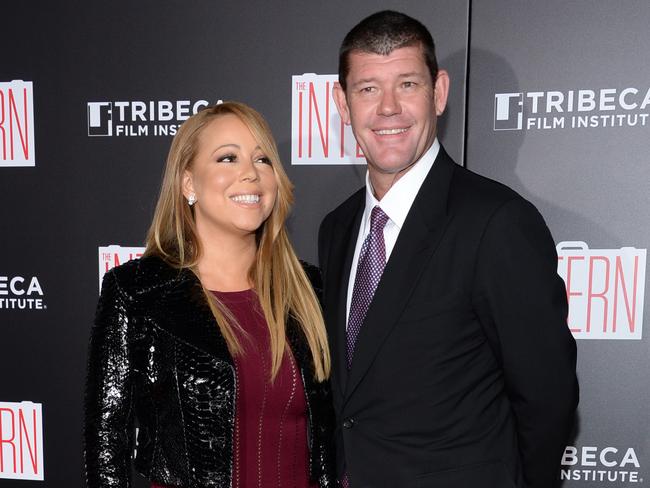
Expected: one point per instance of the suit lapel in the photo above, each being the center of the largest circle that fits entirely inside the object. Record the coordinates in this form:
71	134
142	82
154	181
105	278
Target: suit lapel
343	239
417	241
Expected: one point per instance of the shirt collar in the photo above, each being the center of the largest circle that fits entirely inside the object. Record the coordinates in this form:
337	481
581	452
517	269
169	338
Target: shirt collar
398	200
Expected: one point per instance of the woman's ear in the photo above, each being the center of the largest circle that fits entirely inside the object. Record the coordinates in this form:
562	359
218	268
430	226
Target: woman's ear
188	184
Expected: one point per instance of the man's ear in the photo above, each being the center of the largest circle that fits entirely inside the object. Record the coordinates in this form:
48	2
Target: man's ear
441	91
341	103
188	184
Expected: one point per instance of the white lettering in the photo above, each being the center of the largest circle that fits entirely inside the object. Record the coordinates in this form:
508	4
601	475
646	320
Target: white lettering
589	456
570	458
646	100
138	111
182	109
603	457
165	111
554	100
534	96
607	99
623	103
630	458
122	106
586	100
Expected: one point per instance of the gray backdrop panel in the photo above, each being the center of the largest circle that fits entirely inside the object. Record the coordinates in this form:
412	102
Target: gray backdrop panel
590	183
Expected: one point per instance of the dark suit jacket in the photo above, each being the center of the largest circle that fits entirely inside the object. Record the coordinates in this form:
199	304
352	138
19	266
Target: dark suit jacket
464	370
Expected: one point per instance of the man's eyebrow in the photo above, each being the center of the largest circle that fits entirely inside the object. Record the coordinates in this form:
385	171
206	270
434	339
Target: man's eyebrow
411	74
364	80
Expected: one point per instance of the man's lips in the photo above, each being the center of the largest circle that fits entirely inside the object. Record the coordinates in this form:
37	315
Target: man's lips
390	131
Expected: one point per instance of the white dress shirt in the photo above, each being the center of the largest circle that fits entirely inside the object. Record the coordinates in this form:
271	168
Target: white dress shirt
396	203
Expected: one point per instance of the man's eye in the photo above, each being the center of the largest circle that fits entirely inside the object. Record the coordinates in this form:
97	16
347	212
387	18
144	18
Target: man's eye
227	158
367	89
408	84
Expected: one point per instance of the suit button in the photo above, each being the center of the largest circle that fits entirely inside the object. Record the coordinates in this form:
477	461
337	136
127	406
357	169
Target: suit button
348	423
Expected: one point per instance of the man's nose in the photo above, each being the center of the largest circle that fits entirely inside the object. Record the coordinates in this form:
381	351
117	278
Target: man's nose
389	104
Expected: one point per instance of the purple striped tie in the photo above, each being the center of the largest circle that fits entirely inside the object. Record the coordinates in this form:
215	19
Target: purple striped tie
372	260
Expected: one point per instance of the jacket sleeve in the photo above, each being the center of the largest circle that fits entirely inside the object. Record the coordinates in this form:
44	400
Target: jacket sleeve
521	301
108	422
322	410
322	449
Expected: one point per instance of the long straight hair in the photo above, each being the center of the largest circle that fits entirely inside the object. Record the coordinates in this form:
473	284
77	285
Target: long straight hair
280	281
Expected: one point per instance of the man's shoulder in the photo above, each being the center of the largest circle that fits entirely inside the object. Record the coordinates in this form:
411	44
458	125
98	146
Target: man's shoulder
470	189
345	209
481	200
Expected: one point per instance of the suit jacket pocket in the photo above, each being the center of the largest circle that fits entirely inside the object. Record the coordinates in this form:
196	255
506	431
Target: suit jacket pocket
483	475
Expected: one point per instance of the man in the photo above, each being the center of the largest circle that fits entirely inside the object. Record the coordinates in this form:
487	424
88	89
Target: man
453	363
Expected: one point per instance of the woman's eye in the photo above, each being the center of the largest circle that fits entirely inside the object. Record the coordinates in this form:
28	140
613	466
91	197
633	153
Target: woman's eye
263	159
227	158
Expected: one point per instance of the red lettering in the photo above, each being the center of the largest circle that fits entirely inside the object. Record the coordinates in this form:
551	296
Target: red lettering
313	107
23	433
569	292
24	136
8	441
2	125
618	279
591	294
300	124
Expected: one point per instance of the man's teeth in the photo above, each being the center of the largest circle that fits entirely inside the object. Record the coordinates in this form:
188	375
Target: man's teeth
246	198
385	132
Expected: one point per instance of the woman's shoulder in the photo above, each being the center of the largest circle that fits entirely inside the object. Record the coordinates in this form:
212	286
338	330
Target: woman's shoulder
143	275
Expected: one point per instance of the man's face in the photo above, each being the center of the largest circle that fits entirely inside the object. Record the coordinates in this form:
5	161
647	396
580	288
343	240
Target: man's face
392	103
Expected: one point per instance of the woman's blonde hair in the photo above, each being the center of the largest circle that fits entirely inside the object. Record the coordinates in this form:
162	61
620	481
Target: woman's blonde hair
278	277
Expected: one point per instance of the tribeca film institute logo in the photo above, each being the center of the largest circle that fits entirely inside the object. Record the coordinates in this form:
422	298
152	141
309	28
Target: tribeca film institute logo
114	255
573	109
604	465
21	441
318	135
21	293
139	118
605	290
17	123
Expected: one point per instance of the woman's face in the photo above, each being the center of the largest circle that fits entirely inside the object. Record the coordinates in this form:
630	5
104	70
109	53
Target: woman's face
233	180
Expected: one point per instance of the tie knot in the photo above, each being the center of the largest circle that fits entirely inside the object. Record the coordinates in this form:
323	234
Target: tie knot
378	219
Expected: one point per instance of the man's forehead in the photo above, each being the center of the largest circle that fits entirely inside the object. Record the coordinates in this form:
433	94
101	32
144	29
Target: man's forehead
402	61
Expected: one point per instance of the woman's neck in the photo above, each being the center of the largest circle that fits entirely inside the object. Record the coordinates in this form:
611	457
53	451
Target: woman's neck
225	262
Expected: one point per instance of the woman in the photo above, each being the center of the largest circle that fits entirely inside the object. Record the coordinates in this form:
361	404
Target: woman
213	342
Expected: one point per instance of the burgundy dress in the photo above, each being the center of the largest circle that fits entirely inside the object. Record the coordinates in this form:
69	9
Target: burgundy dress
270	436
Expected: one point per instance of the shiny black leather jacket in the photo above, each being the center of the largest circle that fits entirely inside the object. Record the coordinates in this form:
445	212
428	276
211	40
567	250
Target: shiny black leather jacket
157	360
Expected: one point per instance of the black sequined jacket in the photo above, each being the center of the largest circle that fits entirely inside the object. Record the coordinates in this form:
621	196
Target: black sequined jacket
157	360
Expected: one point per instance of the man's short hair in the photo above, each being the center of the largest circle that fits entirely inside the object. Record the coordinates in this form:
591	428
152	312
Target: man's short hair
382	33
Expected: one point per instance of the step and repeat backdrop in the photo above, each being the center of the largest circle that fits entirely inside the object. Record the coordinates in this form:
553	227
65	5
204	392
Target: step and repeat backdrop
551	98
559	109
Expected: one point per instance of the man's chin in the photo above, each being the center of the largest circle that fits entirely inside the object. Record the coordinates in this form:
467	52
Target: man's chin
390	166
